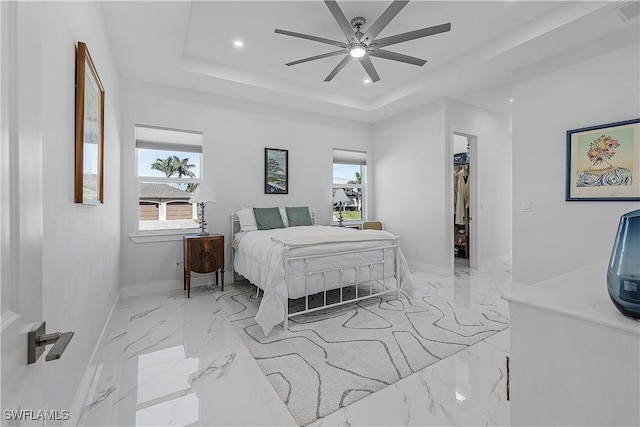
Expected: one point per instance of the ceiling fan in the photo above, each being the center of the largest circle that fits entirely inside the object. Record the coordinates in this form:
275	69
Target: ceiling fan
365	45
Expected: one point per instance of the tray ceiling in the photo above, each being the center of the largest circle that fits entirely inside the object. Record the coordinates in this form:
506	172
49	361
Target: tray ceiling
190	45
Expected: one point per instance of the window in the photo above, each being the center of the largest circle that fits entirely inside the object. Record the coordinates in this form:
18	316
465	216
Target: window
349	173
169	169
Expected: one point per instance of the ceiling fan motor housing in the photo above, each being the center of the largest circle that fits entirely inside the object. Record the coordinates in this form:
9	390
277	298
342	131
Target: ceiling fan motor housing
358	22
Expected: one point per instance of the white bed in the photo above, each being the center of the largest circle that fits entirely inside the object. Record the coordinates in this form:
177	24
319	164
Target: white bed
297	262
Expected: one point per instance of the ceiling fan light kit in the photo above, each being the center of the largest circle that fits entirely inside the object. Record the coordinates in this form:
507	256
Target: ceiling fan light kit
358	51
361	45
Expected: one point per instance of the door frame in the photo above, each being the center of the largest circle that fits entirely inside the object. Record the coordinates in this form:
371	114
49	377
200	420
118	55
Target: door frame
21	214
474	214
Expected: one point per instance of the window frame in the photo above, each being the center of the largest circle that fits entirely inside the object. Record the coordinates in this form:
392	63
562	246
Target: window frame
141	236
362	186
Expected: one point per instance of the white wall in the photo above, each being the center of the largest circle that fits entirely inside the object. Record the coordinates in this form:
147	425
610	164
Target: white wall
559	236
409	177
81	243
235	136
413	177
492	177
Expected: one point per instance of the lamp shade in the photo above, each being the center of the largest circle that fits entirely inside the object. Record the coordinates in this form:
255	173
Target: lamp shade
203	194
340	196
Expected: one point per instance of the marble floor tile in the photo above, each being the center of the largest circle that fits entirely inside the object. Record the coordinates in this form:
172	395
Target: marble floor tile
475	289
395	405
179	362
467	388
99	403
169	360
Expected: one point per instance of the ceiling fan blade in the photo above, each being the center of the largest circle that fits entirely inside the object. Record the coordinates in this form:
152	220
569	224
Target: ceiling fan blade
369	68
314	38
342	21
411	35
312	58
339	67
384	19
394	56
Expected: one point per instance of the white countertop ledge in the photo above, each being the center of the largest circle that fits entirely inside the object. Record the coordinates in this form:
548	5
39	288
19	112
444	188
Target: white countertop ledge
581	294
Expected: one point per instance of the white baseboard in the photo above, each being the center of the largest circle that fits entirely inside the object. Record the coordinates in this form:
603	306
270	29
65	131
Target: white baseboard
430	268
80	398
170	285
151	288
448	271
491	262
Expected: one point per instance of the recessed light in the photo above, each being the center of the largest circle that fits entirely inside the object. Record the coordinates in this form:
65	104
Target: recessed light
238	43
366	81
511	100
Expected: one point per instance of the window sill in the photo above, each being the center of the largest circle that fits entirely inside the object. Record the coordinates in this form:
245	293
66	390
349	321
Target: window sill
350	224
161	236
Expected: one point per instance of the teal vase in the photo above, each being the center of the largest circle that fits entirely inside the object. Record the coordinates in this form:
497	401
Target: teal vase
623	274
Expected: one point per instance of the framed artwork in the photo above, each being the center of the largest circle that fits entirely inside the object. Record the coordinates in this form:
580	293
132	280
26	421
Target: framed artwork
603	162
89	167
276	171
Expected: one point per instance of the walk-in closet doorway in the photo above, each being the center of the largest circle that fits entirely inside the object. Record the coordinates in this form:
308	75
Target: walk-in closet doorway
464	232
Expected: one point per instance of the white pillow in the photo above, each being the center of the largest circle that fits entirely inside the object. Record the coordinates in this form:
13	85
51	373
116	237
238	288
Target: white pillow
283	215
247	219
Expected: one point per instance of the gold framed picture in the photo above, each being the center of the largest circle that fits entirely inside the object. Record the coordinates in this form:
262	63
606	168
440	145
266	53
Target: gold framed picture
89	165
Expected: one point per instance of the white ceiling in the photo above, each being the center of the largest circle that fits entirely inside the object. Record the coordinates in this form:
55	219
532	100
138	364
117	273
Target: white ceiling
190	45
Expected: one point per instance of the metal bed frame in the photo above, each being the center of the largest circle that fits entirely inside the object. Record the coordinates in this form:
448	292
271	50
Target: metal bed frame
308	273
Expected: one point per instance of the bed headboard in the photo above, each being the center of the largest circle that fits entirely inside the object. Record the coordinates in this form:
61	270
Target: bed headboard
235	224
235	228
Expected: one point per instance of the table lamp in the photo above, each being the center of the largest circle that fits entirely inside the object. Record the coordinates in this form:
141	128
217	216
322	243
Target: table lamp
203	195
340	197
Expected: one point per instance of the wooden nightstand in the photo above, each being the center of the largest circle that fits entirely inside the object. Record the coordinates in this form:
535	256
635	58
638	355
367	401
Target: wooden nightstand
203	254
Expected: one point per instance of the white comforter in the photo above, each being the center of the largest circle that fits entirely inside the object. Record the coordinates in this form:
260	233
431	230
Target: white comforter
259	257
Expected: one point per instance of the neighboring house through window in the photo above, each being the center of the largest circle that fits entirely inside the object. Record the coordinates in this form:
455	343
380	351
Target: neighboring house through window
349	173
169	169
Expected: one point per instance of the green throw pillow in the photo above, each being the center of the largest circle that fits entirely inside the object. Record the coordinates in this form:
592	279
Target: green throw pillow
268	218
299	216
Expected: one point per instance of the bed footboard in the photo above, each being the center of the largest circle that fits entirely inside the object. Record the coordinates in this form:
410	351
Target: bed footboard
363	289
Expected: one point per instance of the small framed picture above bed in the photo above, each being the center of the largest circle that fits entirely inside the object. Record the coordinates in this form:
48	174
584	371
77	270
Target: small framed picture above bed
276	171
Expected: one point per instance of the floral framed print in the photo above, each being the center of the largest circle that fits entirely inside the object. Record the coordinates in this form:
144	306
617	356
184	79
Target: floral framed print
89	164
603	162
276	171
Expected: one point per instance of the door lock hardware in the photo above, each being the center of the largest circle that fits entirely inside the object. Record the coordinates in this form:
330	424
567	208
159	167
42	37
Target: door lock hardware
38	340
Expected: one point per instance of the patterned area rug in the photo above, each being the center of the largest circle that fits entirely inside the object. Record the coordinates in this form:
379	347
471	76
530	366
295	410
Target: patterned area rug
334	357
